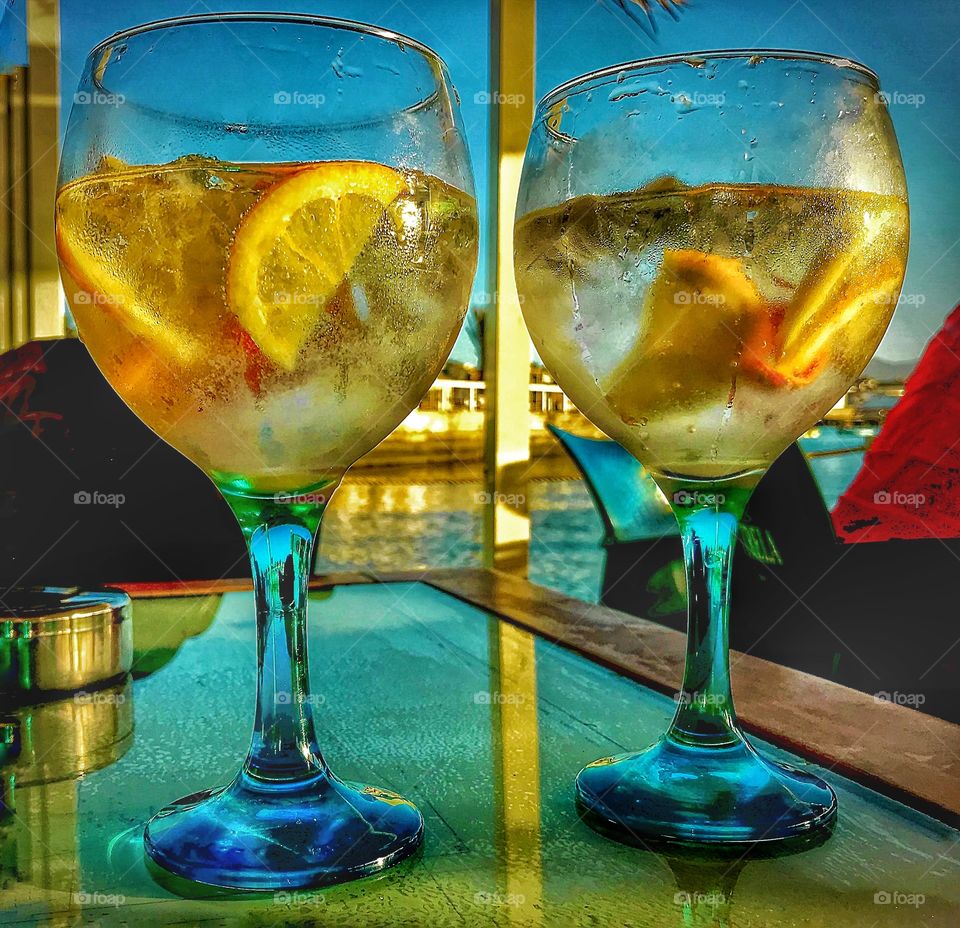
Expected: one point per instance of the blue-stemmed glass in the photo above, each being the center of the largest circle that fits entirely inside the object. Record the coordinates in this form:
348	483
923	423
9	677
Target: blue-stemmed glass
709	248
268	236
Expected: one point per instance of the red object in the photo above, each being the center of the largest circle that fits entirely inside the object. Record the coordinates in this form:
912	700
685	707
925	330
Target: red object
257	363
909	484
18	379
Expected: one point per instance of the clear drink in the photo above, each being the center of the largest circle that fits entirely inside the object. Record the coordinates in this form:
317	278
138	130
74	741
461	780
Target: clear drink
706	327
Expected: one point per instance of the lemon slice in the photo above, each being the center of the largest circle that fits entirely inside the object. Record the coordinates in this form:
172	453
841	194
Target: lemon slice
818	294
843	318
296	247
698	278
697	313
144	245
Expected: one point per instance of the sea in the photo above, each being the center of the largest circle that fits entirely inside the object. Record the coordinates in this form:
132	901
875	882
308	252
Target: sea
408	518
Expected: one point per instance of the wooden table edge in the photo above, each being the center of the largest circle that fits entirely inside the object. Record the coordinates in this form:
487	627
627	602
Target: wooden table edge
907	755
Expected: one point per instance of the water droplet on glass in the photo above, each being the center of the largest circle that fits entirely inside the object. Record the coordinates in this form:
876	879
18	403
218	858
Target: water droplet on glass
750	236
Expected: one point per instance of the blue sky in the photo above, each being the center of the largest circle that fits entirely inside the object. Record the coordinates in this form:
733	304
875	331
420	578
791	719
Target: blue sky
917	57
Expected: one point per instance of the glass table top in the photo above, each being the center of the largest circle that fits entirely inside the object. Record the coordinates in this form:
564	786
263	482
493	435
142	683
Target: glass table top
480	723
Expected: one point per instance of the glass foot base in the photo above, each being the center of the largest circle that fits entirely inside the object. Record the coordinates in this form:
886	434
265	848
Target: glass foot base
309	834
674	794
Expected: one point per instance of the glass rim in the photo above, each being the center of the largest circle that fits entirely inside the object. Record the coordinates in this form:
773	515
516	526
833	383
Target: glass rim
551	97
268	16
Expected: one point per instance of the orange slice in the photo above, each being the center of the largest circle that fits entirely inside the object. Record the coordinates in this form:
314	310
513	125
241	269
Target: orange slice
296	247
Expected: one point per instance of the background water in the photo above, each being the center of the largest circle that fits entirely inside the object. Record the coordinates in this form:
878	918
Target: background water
403	521
399	526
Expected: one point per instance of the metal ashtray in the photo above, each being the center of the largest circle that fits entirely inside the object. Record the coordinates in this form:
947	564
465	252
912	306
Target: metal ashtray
57	640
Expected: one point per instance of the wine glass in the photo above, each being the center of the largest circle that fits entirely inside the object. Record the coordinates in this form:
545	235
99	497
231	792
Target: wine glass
267	234
709	249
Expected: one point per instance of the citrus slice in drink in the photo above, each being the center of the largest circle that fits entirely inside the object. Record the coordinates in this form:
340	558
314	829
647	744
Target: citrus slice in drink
697	314
831	309
142	246
297	246
825	285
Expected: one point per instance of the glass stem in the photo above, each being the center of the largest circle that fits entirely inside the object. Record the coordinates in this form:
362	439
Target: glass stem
281	539
705	715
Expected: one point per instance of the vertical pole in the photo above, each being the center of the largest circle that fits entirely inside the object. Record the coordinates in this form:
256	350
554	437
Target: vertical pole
42	135
19	217
6	265
506	355
30	302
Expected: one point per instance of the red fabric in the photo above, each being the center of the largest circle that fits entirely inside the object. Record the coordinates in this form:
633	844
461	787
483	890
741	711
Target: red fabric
18	370
909	485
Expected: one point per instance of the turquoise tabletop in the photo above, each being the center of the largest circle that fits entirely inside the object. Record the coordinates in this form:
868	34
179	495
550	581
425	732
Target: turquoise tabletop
480	723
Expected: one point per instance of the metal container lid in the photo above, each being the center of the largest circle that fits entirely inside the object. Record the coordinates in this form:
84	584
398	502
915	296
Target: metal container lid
53	610
62	639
